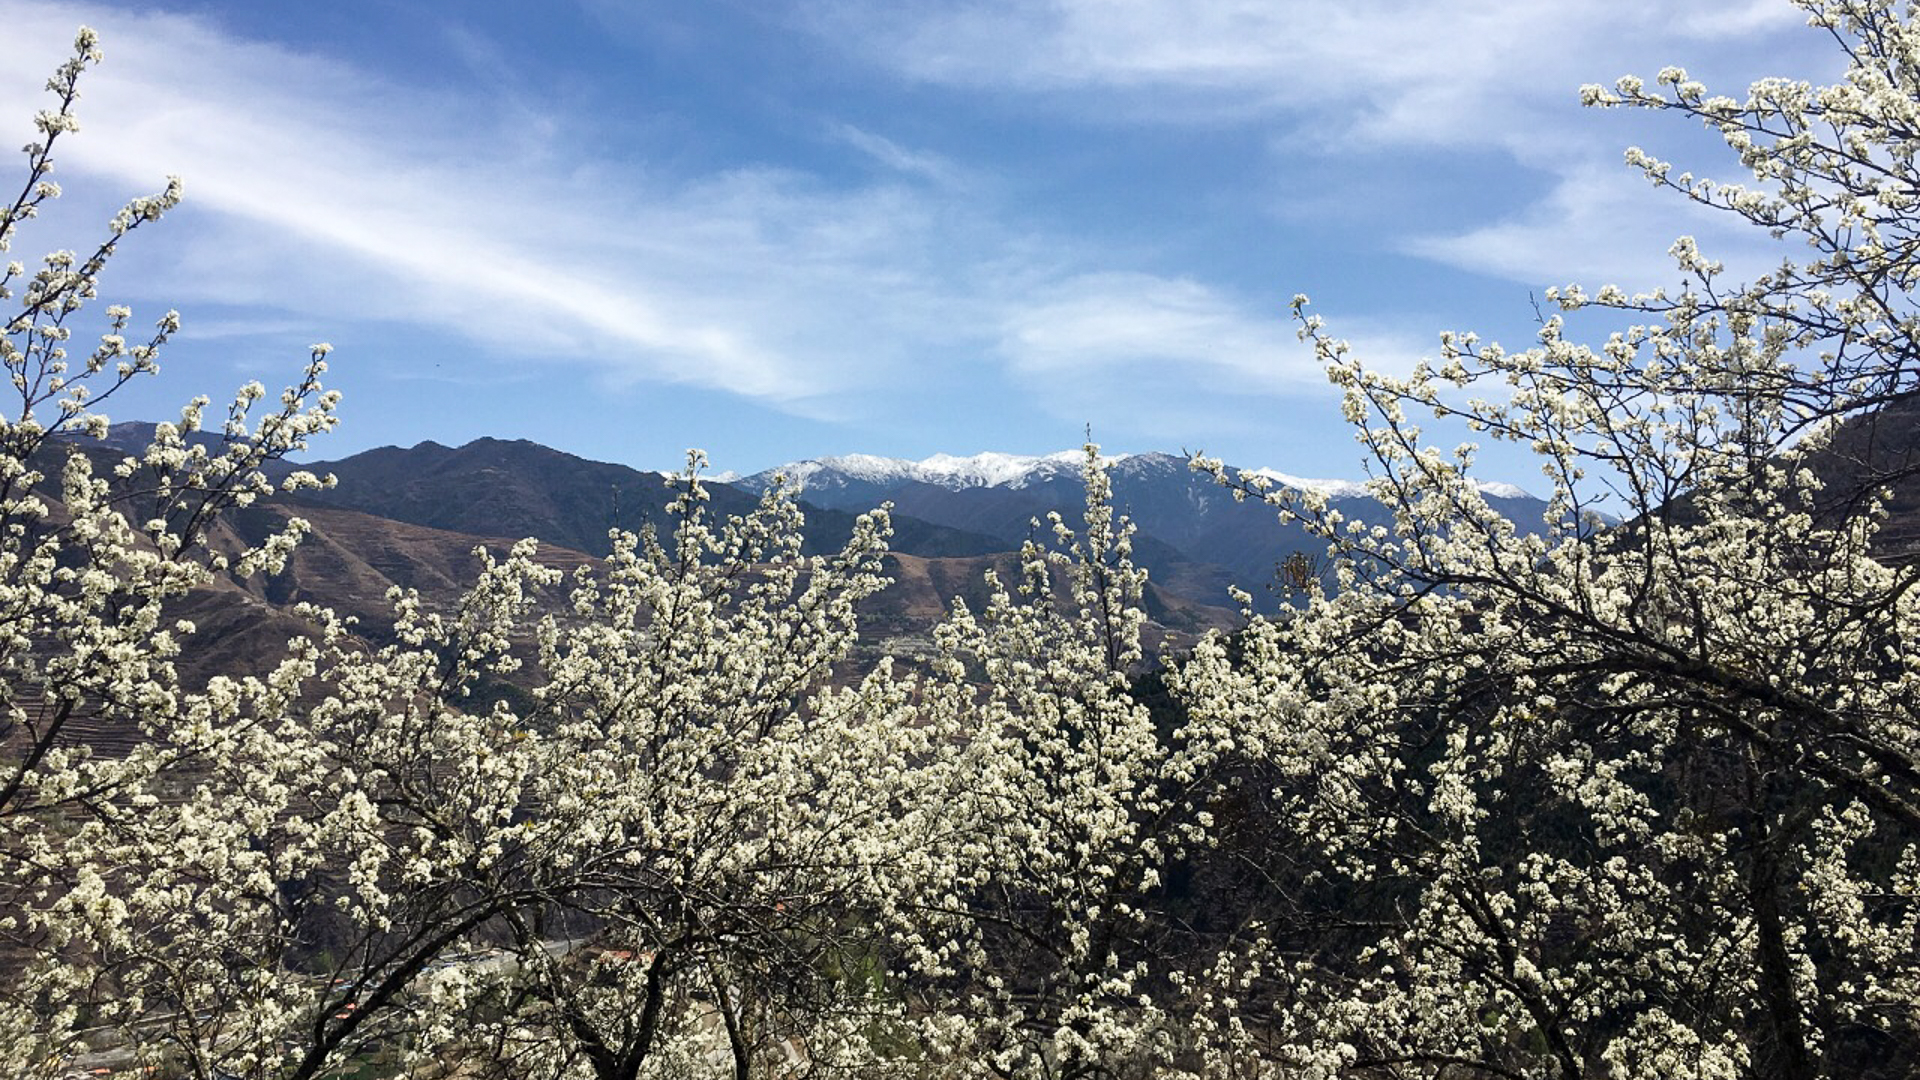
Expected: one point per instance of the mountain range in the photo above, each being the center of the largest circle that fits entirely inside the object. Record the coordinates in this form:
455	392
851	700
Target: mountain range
411	517
1193	535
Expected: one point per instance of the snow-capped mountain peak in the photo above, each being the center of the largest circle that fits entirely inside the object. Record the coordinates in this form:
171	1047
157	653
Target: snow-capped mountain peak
1333	489
1355	489
1014	471
1502	490
988	469
991	469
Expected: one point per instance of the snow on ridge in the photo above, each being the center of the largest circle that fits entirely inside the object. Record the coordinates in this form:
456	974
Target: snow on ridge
799	472
986	469
994	469
1500	490
859	466
1333	489
1352	489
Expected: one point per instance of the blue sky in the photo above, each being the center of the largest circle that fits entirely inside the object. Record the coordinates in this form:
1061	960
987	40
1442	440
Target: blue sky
788	230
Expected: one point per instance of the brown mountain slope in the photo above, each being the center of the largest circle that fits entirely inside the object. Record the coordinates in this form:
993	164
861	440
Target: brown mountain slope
348	561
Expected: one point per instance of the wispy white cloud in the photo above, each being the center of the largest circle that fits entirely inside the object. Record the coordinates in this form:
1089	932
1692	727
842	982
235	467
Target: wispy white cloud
1708	22
920	163
1406	72
1328	77
1598	225
316	158
1437	72
1116	320
1129	324
322	190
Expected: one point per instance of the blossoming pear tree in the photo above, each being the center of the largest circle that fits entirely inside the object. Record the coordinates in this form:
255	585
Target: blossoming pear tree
1049	791
1639	796
95	550
685	832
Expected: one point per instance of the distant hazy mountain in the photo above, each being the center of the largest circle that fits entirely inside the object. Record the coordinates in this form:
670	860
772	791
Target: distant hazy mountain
841	479
410	516
857	472
1193	536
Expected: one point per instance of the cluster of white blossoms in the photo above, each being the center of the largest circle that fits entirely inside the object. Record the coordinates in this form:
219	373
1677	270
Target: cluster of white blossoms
1637	795
1641	798
121	874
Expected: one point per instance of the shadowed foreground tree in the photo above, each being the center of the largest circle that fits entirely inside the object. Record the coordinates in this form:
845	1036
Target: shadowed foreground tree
1643	798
